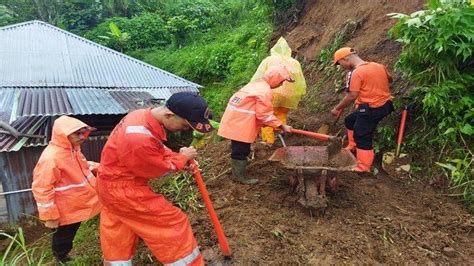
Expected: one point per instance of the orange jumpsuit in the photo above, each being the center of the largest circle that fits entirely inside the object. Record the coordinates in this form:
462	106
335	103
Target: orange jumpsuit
63	182
133	154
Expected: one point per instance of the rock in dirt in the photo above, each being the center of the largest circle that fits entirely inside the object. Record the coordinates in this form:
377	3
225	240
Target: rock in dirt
449	251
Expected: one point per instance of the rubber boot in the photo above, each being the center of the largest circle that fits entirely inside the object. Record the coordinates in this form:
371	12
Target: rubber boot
350	137
365	158
239	172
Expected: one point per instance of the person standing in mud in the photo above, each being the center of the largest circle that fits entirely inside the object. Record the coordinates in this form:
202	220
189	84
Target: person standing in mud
64	184
367	85
248	110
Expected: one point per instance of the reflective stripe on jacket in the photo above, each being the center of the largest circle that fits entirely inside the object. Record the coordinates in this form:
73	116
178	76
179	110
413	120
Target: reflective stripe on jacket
63	182
248	110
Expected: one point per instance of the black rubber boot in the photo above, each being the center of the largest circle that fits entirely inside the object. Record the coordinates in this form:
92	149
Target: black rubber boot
239	172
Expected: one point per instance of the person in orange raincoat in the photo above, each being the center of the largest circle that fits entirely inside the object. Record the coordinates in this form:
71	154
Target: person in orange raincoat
368	85
248	110
133	154
64	184
289	94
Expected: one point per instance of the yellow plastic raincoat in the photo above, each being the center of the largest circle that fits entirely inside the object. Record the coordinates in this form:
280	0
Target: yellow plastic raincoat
289	94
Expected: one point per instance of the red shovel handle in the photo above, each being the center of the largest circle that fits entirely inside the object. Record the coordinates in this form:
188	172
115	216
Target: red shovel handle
312	134
210	209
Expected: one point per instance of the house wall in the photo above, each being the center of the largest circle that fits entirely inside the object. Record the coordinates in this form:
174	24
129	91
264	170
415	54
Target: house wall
16	175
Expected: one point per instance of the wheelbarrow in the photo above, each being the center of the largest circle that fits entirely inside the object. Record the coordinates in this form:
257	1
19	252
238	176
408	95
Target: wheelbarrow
315	168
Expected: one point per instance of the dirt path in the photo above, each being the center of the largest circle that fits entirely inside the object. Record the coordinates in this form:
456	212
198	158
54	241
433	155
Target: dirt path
370	220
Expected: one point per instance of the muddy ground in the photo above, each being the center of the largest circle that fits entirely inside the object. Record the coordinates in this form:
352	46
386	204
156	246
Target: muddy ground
370	219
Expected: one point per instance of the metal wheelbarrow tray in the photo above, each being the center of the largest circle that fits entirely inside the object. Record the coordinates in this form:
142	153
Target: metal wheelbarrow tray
315	167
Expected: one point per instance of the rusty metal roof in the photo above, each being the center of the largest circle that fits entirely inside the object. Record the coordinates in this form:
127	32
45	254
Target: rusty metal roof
37	54
34	102
21	102
38	125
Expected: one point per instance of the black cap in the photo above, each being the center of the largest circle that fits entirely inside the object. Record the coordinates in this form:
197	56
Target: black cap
193	108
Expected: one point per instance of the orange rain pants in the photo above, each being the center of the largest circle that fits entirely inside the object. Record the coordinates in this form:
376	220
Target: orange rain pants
141	213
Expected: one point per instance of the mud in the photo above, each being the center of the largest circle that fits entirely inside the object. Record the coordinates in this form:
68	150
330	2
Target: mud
369	219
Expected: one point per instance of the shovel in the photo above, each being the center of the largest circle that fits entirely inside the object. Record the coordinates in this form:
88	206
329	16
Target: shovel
395	163
313	135
224	245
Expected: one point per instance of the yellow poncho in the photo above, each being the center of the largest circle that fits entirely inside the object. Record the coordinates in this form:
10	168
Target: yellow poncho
289	94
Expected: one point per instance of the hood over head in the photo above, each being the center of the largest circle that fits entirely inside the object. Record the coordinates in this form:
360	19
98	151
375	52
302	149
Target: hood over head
63	127
281	48
275	75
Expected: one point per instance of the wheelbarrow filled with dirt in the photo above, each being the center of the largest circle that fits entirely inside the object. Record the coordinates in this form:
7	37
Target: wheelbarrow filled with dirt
315	169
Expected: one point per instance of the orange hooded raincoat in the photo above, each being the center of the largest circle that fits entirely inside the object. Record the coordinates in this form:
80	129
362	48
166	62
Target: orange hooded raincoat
63	182
133	154
250	108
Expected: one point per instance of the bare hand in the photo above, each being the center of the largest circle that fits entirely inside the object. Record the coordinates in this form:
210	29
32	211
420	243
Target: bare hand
189	152
286	128
52	224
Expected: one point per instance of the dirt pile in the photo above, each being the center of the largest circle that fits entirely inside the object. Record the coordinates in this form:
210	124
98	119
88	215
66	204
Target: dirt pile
321	20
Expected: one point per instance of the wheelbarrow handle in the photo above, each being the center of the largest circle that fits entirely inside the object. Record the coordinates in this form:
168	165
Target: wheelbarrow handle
314	135
210	209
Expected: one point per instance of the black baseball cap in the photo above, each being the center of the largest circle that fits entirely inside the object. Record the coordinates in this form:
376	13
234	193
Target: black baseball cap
193	108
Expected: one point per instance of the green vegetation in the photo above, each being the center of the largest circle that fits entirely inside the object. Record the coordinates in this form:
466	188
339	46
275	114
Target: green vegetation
223	57
438	44
19	253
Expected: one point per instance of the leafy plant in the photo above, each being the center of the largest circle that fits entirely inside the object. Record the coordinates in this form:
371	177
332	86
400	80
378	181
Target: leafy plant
437	57
460	172
180	189
119	37
18	252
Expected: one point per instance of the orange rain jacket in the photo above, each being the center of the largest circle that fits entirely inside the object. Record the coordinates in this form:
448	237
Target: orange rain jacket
133	154
63	182
250	108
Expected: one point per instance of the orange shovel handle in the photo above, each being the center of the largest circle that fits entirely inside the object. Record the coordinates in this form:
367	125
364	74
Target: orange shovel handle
314	135
210	209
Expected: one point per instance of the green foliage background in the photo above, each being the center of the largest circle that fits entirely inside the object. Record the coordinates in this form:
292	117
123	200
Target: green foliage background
437	56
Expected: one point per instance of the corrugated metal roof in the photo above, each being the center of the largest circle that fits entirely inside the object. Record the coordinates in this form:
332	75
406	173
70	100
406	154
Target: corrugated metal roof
28	125
131	100
43	102
183	89
93	101
6	100
37	54
59	101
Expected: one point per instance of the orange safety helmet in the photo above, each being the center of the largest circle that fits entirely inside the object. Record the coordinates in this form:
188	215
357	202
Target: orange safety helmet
342	53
